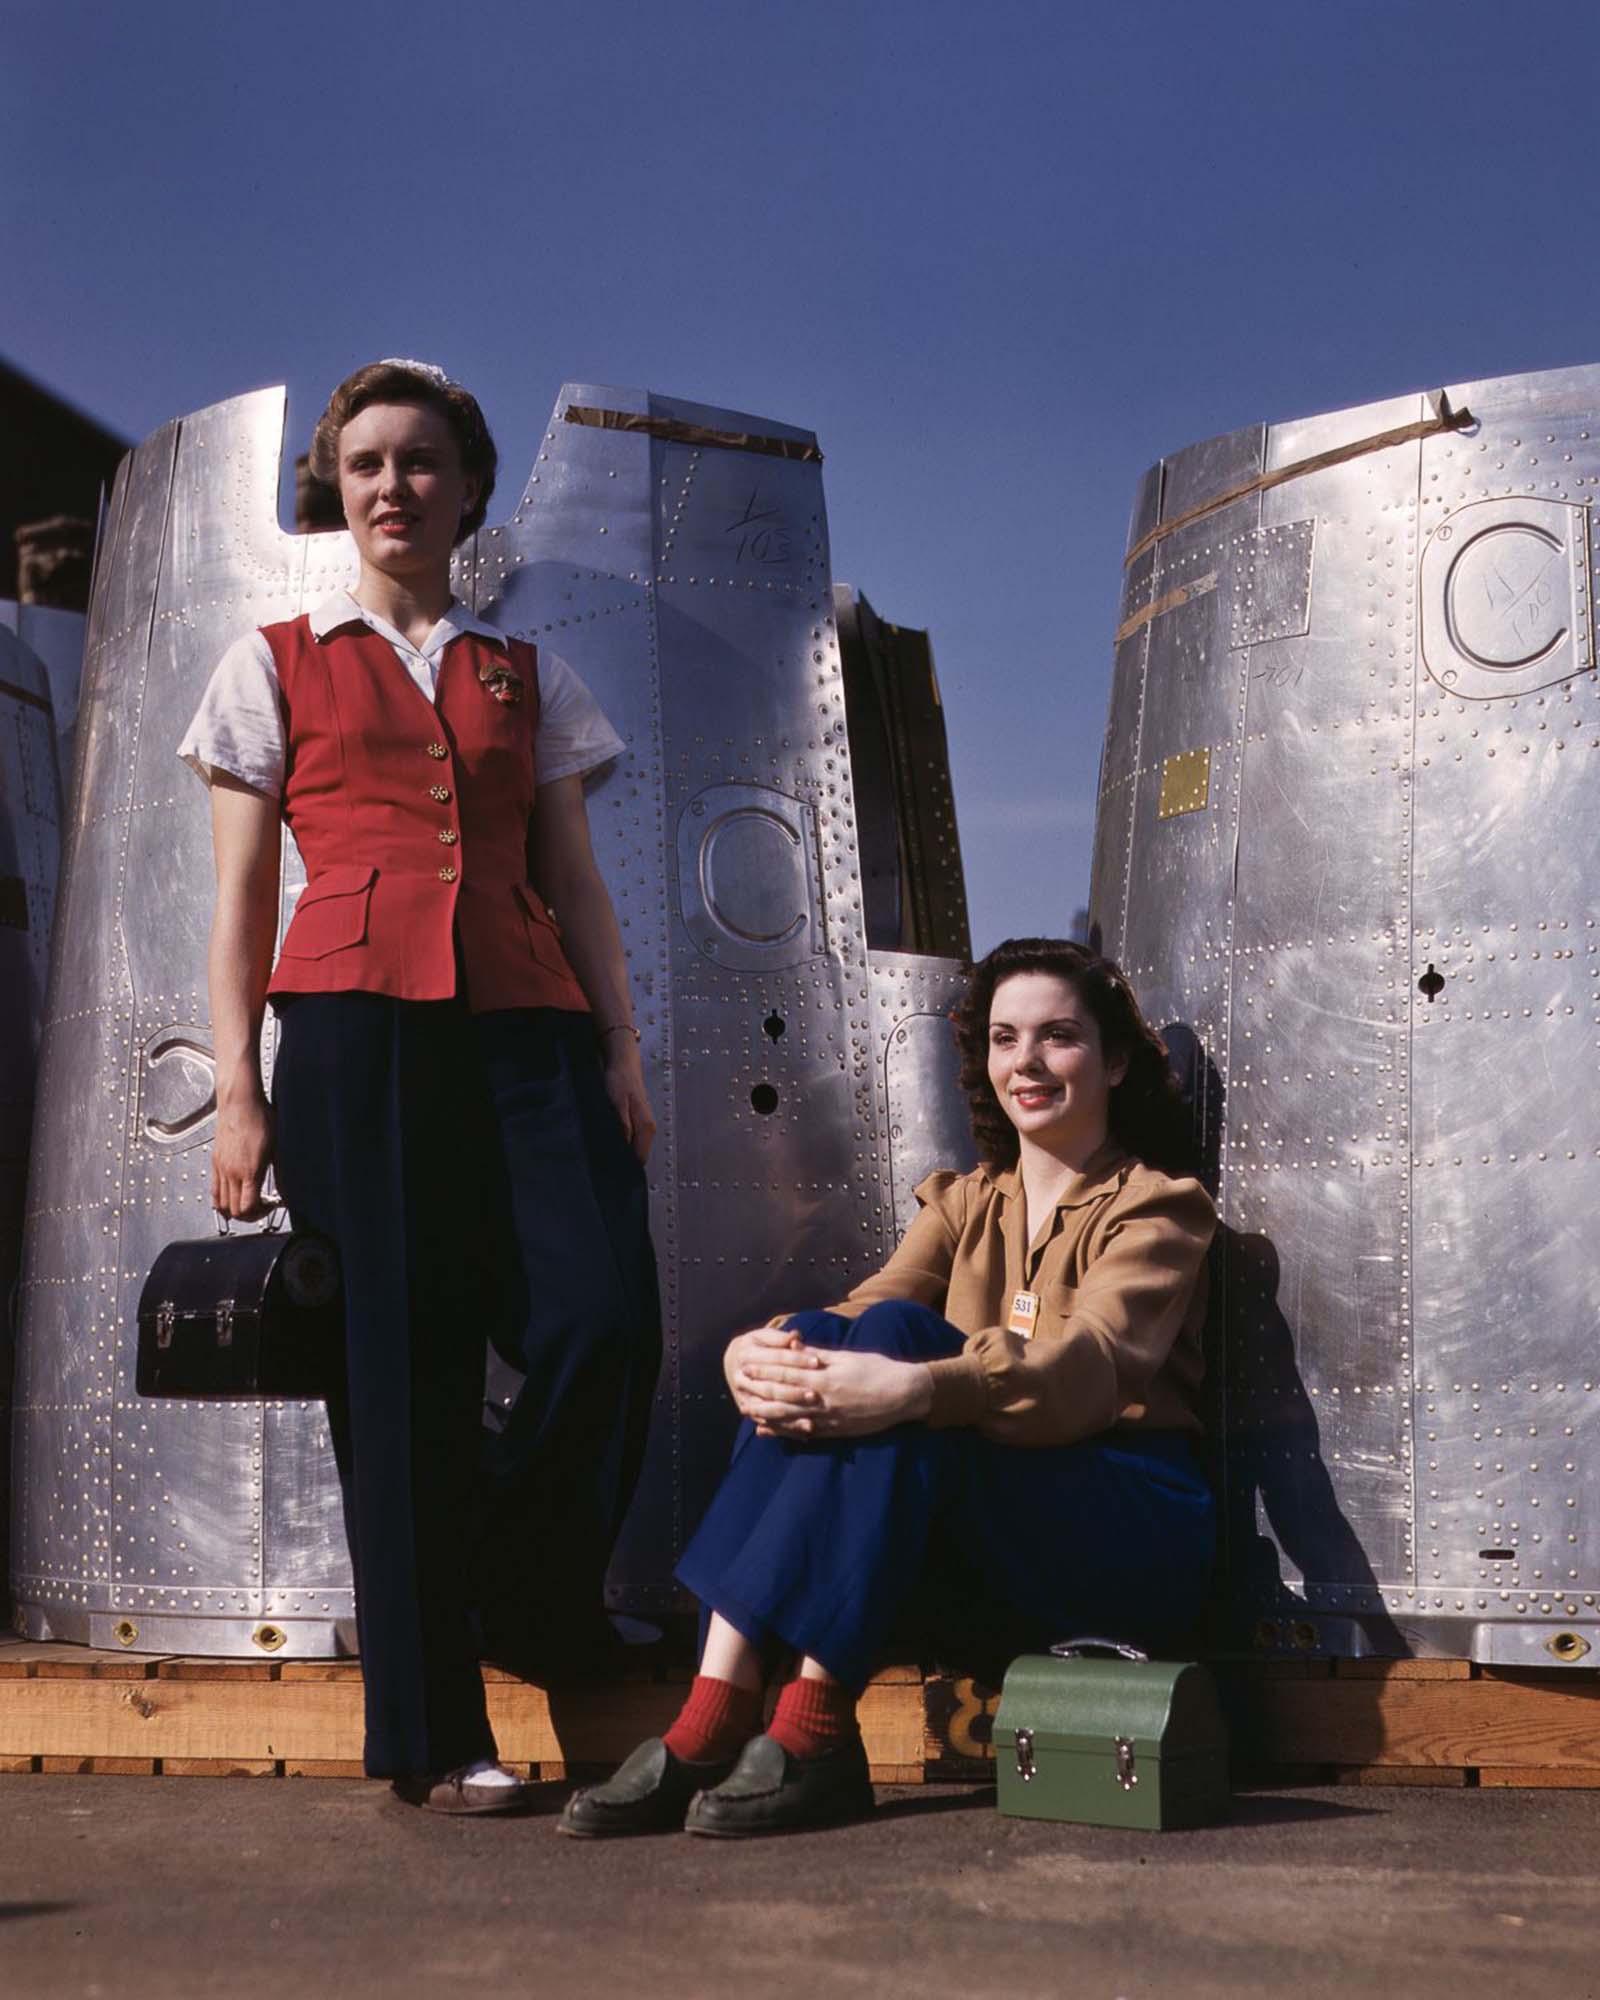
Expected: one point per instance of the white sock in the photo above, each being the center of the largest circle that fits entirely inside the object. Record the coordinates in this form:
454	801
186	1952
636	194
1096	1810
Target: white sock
486	1773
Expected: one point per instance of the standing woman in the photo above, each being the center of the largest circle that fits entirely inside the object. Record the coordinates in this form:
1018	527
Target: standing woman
989	1444
458	1100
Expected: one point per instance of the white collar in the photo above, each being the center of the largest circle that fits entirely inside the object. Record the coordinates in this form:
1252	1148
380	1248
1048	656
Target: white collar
333	613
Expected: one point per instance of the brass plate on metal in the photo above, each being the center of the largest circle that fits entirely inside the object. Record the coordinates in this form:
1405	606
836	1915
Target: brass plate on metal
125	1632
1185	784
270	1638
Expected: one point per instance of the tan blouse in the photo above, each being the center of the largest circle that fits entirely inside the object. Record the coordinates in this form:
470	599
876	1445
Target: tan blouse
1119	1273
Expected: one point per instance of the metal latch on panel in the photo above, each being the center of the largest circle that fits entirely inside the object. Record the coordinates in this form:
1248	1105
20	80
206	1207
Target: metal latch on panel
1026	1768
1185	784
224	1322
1127	1776
166	1315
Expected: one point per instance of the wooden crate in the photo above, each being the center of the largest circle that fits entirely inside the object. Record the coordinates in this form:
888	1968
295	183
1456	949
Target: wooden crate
1413	1722
1401	1722
72	1708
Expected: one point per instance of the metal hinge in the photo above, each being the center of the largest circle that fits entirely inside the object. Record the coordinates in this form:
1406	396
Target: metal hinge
224	1322
1127	1776
1025	1764
166	1313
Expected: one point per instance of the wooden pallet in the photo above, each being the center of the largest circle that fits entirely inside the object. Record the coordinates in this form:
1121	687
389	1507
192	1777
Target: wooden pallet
75	1709
1434	1722
1369	1722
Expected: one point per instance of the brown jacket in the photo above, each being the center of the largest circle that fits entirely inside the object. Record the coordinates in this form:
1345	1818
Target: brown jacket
1120	1275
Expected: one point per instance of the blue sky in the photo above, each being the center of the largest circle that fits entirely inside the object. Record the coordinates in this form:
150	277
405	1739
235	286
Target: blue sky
999	257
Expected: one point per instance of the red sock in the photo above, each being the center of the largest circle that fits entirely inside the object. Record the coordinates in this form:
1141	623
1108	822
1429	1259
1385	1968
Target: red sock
812	1717
715	1723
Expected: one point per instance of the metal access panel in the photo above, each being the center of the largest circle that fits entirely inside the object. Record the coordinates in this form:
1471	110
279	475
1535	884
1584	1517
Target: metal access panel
30	855
1346	813
677	555
914	891
54	637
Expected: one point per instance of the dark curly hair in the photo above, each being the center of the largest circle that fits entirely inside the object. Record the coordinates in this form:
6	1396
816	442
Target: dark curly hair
1147	1115
398	382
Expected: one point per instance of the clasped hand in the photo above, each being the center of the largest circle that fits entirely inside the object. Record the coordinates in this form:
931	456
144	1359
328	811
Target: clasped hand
790	1390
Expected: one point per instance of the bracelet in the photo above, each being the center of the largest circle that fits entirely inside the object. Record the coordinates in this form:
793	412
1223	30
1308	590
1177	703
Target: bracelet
619	1028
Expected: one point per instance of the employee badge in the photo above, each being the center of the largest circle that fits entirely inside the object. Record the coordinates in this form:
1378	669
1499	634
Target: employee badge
502	683
1024	1311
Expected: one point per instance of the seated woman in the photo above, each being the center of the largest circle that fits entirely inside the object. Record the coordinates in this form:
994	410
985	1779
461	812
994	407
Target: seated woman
990	1442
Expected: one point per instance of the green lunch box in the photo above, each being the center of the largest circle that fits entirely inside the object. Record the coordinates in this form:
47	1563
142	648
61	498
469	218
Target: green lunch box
1121	1741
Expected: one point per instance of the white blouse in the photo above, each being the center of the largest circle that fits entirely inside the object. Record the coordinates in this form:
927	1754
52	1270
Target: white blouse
239	726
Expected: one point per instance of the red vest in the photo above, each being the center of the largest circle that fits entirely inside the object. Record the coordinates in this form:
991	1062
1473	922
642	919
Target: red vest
412	820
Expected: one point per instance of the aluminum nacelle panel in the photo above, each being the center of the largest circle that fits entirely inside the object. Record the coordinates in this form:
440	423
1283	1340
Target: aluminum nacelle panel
1406	951
30	853
687	581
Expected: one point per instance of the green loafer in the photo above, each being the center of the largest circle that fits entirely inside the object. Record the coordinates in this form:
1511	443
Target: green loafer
647	1793
768	1791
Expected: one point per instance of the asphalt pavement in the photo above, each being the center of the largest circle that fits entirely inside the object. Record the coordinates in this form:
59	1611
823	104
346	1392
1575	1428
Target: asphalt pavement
206	1889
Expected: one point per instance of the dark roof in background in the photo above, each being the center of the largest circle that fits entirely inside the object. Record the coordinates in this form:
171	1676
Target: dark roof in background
53	460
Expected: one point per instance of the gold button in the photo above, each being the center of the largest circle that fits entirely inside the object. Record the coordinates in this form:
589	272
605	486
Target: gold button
440	792
447	874
437	750
449	835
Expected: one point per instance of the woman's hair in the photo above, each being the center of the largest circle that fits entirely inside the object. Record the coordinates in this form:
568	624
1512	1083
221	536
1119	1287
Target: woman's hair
411	382
1146	1116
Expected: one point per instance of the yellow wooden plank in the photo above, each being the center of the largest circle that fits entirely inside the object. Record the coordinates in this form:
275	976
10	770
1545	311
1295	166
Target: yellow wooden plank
1542	1676
1442	1776
893	1721
101	1767
187	1667
1461	1722
218	1767
595	1726
14	1766
319	1670
325	1767
112	1669
173	1716
1571	1779
1403	1670
94	1718
898	1774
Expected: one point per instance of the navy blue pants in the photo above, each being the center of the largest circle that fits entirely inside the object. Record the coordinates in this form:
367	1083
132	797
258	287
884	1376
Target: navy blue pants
970	1550
479	1186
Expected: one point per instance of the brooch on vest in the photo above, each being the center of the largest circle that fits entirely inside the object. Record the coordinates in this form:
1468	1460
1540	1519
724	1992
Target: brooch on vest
502	683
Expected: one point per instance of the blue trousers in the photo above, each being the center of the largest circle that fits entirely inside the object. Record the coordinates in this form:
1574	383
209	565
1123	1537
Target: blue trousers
479	1186
955	1544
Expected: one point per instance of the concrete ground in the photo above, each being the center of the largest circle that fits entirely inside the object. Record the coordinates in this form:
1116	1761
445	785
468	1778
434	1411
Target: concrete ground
205	1889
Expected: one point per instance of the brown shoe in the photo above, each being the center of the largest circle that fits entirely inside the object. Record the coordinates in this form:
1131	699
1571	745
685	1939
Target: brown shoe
458	1794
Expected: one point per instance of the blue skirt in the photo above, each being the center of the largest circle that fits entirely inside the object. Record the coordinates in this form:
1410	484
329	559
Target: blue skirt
960	1548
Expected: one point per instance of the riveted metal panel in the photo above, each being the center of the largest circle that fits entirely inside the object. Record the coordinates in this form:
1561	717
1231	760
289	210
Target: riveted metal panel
1401	1011
1146	509
928	1128
55	639
688	583
1201	473
30	852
